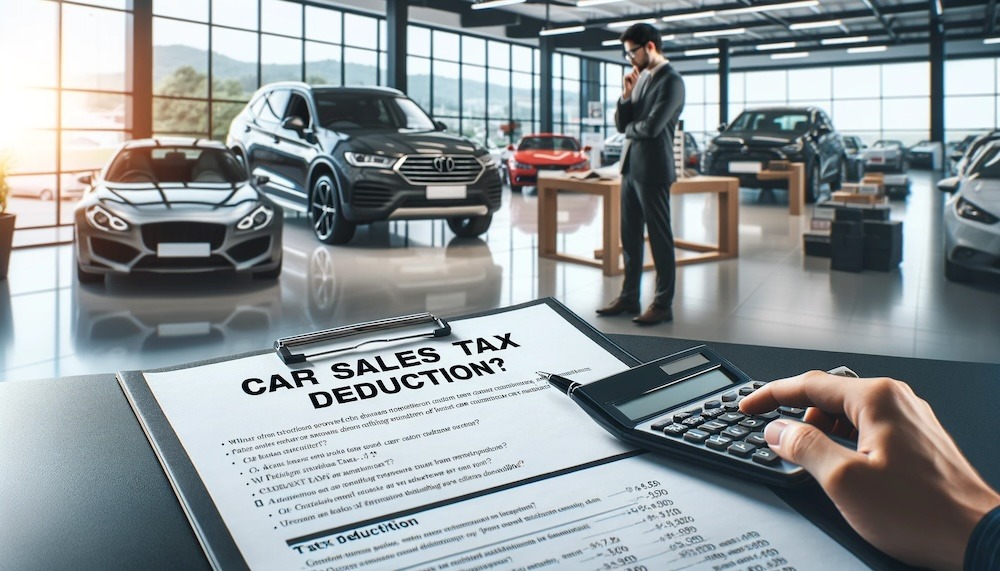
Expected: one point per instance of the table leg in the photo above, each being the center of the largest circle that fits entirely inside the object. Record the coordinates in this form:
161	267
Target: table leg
547	216
612	233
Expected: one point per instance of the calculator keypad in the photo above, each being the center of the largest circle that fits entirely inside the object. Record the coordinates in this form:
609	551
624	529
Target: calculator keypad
718	425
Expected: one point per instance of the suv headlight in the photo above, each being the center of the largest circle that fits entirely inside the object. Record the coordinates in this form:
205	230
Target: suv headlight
486	160
970	211
793	148
259	218
522	166
103	219
584	164
365	160
711	147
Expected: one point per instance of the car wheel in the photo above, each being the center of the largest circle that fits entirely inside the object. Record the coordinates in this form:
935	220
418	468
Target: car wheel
813	184
269	274
470	227
86	277
956	273
326	215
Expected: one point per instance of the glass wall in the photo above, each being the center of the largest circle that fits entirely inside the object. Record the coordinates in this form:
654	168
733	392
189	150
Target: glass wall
566	95
972	97
209	57
66	103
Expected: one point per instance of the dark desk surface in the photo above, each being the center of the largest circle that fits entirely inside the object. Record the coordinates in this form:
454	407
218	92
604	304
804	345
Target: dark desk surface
82	489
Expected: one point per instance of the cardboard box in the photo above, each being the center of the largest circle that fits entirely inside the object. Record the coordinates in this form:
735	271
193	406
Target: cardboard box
847	197
779	165
816	244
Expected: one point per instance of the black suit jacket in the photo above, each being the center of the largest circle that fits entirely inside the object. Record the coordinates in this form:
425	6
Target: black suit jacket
649	125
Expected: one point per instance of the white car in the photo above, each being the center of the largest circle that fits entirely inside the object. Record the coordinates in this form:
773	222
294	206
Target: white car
885	155
972	218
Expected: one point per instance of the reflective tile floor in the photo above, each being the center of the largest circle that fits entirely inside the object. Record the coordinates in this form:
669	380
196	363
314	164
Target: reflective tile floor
771	295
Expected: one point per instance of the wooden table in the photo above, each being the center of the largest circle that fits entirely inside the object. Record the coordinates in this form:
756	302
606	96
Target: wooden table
796	177
608	258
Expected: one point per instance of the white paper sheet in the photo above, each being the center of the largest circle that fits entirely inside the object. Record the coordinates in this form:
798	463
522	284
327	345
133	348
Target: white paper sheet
451	453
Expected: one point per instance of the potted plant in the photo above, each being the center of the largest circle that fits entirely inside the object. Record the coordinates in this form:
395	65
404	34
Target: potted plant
6	221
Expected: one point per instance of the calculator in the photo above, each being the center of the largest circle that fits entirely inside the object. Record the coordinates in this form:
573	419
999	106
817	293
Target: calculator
687	405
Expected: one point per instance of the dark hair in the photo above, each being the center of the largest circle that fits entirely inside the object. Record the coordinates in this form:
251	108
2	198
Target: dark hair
641	34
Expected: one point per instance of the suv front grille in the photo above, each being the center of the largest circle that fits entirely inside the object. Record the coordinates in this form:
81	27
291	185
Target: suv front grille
419	170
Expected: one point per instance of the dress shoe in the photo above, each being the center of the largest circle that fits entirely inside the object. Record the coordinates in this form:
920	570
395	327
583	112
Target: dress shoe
654	314
619	306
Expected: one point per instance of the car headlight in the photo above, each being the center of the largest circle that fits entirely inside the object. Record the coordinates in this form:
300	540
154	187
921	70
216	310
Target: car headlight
970	211
103	219
365	160
522	166
486	160
259	218
711	147
793	148
584	164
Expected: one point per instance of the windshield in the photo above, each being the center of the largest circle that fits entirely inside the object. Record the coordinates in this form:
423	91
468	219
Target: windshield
886	145
987	164
343	111
175	164
548	144
773	120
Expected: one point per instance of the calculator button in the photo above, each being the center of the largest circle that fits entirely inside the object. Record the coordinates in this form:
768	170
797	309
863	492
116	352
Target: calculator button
741	449
713	404
713	426
758	384
792	411
769	415
675	429
659	425
729	397
718	442
753	423
693	421
682	416
736	432
731	406
765	456
757	439
695	435
746	390
731	417
712	413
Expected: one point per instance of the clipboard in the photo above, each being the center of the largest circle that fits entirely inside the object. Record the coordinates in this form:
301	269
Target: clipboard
203	515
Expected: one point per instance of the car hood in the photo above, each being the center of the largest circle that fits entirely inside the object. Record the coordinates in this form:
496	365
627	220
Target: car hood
880	153
175	197
736	139
543	157
395	143
983	193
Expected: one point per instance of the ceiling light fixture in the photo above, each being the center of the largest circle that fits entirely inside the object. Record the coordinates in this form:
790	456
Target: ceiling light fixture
790	55
702	52
609	43
561	31
812	25
712	60
776	46
586	3
991	41
725	32
668	37
495	4
627	23
866	49
844	40
689	16
771	7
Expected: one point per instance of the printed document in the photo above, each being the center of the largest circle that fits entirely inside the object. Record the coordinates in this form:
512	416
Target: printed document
452	453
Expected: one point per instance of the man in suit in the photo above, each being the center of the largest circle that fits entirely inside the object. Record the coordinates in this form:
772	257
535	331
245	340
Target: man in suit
648	110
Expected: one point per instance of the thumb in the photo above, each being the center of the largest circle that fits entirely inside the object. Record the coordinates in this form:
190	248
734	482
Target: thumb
809	447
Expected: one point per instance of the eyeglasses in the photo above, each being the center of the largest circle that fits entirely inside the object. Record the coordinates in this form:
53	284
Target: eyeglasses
630	54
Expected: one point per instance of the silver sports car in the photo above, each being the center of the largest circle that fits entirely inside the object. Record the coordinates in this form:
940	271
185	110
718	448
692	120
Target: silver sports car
176	206
972	217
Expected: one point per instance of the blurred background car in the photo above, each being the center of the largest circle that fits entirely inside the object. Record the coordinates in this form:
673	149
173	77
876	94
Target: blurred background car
176	206
692	152
612	151
499	155
956	149
972	217
973	149
544	152
43	187
885	155
921	155
853	145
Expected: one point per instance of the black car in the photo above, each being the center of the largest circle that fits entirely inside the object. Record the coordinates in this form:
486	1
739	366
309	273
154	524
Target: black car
798	134
853	146
354	155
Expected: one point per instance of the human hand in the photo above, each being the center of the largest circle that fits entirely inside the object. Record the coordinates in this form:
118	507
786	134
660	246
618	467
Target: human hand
907	489
629	81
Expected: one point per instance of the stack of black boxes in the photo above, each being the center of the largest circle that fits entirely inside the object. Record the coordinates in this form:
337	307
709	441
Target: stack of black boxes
865	239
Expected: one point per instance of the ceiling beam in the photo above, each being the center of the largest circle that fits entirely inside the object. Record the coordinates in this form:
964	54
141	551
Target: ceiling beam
877	10
991	13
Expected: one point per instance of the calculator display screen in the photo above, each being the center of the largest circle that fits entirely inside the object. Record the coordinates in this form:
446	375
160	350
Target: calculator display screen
674	394
681	365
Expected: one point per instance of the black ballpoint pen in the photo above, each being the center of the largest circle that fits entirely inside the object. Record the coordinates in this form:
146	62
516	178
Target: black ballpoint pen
562	383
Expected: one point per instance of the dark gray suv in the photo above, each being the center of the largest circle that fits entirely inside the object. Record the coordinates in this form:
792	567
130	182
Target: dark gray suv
798	134
354	155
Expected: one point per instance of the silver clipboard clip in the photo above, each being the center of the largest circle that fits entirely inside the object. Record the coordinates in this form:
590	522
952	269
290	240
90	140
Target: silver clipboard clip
285	345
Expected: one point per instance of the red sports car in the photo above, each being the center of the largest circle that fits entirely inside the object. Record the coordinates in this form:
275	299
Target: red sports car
544	151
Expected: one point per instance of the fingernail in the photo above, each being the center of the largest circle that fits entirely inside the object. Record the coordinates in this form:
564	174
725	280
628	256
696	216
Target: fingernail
773	431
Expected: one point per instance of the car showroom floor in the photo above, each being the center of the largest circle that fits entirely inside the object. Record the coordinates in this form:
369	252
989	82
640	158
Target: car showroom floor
771	295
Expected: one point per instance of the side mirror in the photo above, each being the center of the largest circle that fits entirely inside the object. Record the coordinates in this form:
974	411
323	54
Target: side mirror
87	179
510	147
261	179
723	126
294	124
949	185
440	126
587	148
